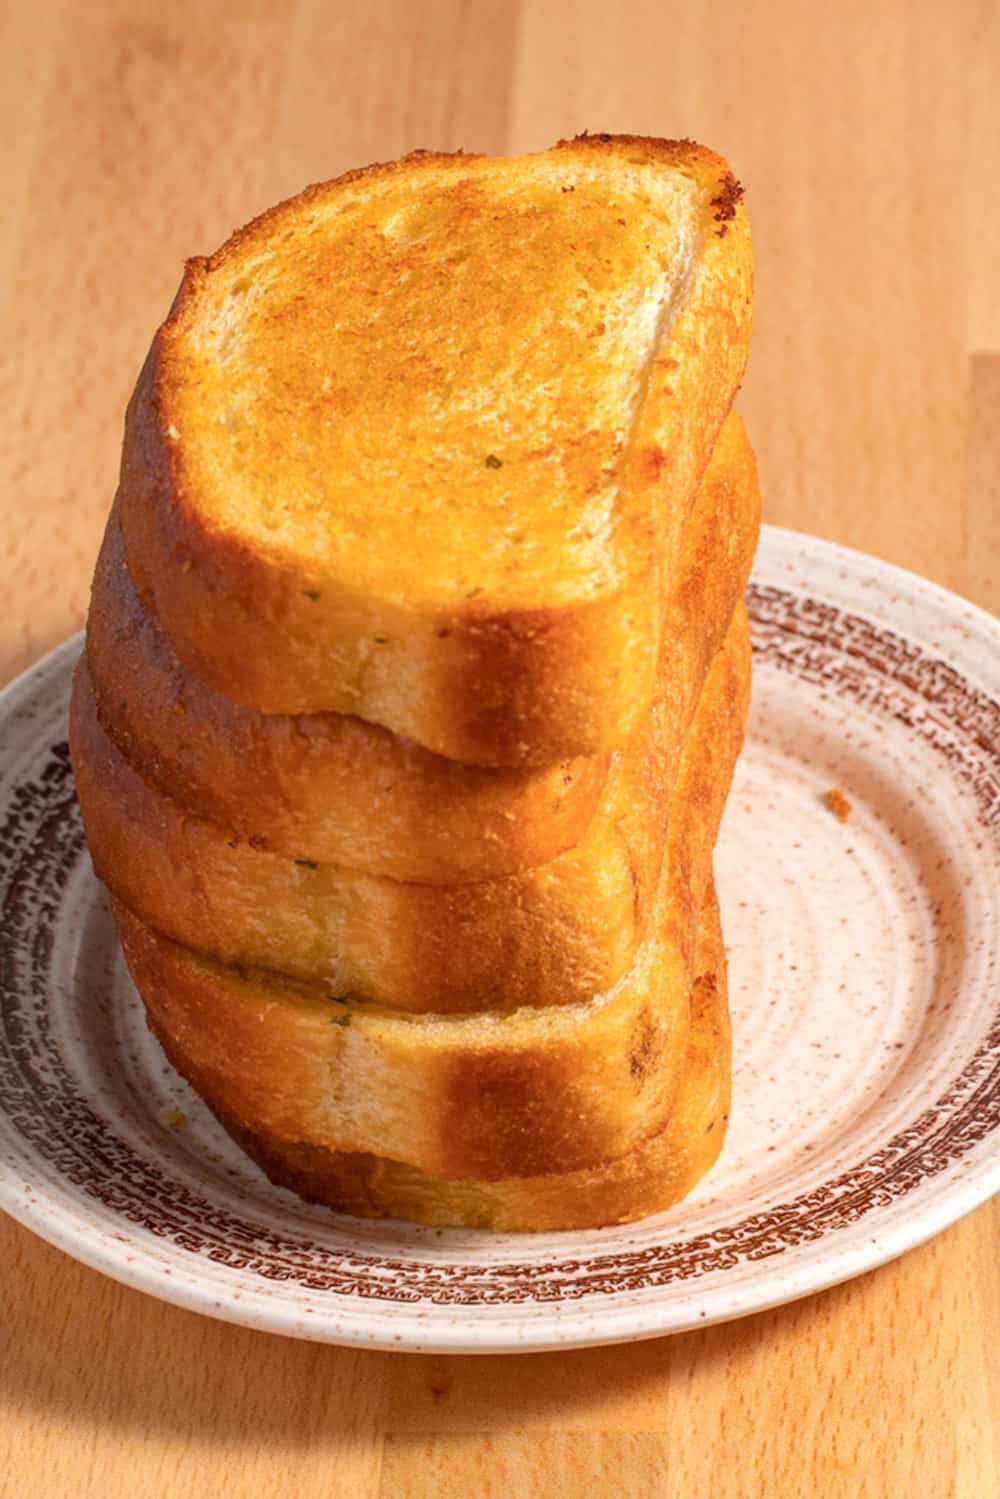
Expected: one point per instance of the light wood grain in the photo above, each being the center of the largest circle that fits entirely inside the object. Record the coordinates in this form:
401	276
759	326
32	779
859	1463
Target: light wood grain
140	132
982	172
856	391
983	497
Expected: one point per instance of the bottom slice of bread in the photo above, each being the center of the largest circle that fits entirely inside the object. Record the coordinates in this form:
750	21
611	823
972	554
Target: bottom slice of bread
646	1180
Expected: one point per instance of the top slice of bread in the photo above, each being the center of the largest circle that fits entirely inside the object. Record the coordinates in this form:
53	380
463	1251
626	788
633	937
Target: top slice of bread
334	789
420	444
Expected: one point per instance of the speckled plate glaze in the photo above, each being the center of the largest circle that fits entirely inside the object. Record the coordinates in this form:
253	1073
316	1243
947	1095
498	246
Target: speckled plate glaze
867	1085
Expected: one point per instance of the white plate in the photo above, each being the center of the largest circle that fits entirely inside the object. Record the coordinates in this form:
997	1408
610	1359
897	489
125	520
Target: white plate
866	1113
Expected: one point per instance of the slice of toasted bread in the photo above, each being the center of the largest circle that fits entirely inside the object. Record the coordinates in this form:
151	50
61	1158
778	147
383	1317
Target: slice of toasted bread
321	786
646	1180
548	936
420	445
474	1095
334	789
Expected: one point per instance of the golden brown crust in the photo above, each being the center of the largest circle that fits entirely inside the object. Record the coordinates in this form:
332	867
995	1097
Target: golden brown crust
335	789
687	154
474	1095
550	936
483	679
647	1180
323	786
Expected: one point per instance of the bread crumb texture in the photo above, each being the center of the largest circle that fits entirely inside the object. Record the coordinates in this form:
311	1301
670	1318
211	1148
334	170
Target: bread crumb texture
836	802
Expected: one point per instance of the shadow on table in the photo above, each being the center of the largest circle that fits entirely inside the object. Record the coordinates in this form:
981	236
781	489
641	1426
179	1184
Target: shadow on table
82	1348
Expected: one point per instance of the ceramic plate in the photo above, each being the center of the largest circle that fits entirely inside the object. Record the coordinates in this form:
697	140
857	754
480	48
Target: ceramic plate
865	1007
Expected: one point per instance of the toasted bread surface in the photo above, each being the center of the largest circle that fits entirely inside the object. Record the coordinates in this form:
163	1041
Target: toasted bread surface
420	445
333	788
646	1180
554	935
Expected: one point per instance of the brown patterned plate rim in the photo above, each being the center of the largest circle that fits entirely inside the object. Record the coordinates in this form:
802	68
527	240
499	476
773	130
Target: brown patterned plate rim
571	1297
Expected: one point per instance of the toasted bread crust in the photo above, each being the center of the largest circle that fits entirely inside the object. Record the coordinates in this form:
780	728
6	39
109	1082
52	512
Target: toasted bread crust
323	786
484	679
335	789
658	1173
484	1097
550	936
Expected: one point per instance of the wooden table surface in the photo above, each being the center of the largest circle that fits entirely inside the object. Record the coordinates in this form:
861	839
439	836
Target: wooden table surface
868	137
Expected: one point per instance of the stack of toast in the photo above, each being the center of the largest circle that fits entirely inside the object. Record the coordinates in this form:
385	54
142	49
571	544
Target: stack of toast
417	667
